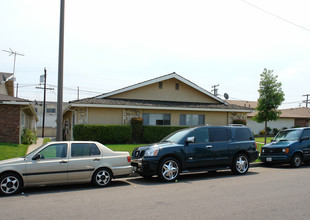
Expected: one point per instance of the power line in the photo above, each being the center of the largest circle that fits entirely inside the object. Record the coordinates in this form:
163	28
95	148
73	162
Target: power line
277	16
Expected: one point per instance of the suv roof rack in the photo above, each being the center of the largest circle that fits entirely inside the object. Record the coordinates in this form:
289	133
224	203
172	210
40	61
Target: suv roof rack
237	125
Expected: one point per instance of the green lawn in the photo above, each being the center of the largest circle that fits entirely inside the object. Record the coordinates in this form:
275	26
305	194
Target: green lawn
262	139
8	151
124	147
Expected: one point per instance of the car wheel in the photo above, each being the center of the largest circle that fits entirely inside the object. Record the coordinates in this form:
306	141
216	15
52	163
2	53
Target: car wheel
240	164
10	184
296	160
168	169
102	177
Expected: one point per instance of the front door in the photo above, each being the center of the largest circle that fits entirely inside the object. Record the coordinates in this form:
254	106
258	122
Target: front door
199	153
52	166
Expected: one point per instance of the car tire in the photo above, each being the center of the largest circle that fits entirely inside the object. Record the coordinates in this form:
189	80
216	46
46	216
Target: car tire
102	177
10	184
296	160
168	169
240	164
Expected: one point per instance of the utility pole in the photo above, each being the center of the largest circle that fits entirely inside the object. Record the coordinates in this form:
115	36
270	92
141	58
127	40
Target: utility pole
60	71
44	100
11	52
16	89
307	100
214	90
78	93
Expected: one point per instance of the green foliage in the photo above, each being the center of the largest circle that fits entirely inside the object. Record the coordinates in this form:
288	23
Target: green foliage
153	134
275	131
262	132
268	129
270	98
28	137
136	129
239	121
105	134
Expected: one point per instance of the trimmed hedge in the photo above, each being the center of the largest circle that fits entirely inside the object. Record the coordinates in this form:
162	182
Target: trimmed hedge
136	129
153	134
105	134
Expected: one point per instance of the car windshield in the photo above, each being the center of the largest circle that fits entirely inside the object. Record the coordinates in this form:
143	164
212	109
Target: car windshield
288	135
176	137
35	150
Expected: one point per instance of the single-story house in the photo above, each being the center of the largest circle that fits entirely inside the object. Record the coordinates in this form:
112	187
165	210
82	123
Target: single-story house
289	118
169	100
15	115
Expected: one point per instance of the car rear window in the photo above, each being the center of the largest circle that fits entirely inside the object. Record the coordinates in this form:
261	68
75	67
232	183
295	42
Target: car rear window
220	134
84	149
243	134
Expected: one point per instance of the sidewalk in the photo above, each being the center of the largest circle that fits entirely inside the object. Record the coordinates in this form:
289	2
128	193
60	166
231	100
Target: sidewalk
32	147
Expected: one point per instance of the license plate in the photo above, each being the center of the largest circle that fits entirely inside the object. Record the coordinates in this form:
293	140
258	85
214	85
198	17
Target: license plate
268	159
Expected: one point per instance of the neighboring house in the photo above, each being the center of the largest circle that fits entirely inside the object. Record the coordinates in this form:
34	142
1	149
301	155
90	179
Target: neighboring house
15	115
6	84
50	117
166	100
289	118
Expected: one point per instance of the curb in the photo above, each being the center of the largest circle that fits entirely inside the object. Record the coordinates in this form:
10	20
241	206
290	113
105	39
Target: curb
258	164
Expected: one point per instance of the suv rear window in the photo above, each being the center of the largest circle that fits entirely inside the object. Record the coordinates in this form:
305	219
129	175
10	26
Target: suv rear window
220	134
243	134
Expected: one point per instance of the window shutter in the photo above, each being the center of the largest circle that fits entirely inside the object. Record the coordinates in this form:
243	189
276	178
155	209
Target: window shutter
201	120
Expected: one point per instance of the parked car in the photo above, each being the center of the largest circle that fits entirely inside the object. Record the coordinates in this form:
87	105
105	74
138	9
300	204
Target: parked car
288	146
206	148
64	162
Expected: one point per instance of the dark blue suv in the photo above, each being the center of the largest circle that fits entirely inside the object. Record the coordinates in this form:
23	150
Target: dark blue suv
289	146
197	149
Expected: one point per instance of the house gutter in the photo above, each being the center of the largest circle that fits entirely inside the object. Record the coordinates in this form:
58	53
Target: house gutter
159	108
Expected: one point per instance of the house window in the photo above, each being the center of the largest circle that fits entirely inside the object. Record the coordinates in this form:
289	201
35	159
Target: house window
160	85
22	120
156	119
50	110
192	120
177	86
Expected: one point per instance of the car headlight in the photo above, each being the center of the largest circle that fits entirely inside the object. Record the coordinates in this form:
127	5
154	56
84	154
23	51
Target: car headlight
286	150
153	151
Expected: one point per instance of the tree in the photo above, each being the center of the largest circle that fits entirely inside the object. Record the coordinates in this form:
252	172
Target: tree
270	98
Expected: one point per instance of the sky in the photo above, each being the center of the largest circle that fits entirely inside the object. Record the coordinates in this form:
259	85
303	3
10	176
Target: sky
109	45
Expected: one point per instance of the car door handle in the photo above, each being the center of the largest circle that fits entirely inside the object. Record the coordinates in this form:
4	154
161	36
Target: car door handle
209	146
63	161
96	159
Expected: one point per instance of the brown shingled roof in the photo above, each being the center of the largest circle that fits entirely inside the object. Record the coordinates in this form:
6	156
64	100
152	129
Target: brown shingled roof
11	98
136	102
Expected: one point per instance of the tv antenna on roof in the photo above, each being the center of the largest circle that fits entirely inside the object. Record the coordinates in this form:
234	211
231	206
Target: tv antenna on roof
11	52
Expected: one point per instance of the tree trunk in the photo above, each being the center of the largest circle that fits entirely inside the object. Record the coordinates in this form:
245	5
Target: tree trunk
265	132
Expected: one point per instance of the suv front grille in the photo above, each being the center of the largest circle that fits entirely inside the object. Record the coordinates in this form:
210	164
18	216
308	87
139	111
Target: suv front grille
138	154
272	150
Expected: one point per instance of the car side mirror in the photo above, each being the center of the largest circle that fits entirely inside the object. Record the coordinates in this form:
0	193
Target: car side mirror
36	157
190	140
304	138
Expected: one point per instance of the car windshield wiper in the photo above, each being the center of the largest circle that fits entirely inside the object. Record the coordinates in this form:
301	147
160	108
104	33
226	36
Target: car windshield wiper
166	141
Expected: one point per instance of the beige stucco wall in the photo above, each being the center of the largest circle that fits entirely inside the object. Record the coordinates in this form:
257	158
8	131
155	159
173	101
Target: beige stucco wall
105	116
167	93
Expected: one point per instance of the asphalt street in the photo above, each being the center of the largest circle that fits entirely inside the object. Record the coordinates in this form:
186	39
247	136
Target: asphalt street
278	192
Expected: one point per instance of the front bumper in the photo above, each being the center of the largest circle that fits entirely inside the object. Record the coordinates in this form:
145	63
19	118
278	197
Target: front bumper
145	166
275	158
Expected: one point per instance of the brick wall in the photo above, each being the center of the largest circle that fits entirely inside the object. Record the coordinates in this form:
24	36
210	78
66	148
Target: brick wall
9	123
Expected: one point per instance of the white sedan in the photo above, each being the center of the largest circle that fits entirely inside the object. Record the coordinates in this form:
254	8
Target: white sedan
64	162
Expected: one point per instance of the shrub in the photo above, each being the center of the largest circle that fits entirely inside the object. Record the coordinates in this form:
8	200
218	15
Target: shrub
262	132
153	134
105	134
268	130
28	137
275	131
136	129
239	121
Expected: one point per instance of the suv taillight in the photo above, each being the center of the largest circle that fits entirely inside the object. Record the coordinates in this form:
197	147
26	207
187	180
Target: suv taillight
256	145
129	159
